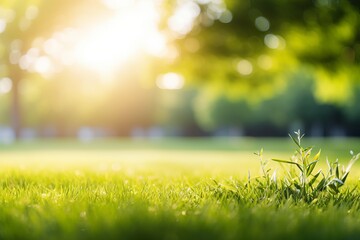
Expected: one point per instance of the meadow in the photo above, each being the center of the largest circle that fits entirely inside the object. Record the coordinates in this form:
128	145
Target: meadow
198	188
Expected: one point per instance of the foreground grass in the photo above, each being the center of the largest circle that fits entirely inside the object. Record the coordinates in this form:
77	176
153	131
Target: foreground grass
90	205
152	194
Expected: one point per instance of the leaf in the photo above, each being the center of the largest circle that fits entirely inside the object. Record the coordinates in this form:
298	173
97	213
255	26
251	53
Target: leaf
334	181
215	181
317	155
343	178
297	186
311	167
273	177
259	153
329	166
308	149
321	185
289	162
295	141
306	154
333	189
352	161
333	184
314	178
337	170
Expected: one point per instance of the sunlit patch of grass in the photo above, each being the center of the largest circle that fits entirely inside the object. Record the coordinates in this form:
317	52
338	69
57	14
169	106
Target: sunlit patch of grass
152	193
91	205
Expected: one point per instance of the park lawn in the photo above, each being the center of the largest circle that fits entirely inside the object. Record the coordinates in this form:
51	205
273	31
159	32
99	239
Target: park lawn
164	189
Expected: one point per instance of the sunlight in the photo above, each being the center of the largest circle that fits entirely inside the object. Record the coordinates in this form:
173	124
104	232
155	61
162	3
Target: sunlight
183	20
5	85
170	81
132	31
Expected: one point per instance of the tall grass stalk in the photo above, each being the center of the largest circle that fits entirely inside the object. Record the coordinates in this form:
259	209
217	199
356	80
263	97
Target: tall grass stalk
306	183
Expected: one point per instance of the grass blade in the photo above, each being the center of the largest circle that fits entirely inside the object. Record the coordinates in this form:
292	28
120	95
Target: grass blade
317	155
337	169
289	162
295	141
311	167
344	177
352	161
336	180
348	168
329	166
321	185
333	189
314	178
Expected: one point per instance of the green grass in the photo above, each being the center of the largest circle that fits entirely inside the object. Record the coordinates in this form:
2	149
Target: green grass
172	189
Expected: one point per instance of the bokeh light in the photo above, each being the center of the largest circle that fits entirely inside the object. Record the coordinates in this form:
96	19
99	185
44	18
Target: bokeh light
226	17
262	24
5	85
244	67
2	25
170	81
274	41
183	19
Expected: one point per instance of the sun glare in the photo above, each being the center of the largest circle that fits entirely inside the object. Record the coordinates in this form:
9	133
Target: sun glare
170	81
133	30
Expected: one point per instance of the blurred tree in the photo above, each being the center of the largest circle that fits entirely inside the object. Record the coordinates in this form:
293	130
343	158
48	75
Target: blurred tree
175	112
26	24
295	105
352	113
254	48
245	49
17	18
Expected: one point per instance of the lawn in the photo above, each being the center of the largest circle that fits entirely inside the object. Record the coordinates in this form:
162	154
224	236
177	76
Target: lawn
166	189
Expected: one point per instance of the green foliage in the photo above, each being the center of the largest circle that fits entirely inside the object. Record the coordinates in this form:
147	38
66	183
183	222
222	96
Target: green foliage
296	102
300	181
330	30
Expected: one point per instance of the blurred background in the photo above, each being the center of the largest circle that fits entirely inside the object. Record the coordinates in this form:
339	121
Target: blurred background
165	68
